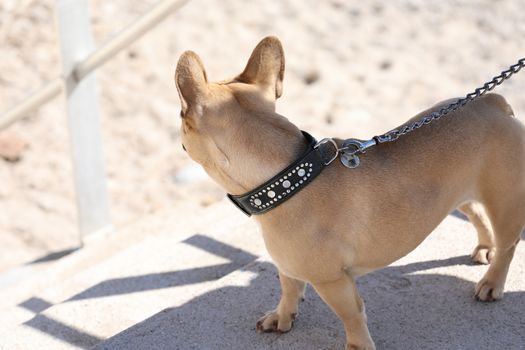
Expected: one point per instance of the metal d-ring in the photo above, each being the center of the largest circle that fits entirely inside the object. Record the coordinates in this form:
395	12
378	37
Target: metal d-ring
336	149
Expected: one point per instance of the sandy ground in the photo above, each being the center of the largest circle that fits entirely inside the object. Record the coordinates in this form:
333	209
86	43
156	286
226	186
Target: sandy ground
354	69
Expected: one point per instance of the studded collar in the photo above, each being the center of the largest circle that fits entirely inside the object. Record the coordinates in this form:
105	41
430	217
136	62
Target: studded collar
289	181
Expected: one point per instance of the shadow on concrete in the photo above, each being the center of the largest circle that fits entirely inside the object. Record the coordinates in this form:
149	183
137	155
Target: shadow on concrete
171	279
431	264
407	309
66	333
219	248
53	256
35	304
459	215
155	281
133	284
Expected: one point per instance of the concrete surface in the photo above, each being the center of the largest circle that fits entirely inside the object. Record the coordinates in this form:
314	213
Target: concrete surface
22	282
194	293
168	267
21	286
424	301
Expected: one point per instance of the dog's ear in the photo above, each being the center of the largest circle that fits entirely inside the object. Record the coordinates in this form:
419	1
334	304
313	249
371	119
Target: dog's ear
265	67
191	80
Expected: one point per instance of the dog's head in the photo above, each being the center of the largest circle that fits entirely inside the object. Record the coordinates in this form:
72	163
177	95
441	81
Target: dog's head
225	123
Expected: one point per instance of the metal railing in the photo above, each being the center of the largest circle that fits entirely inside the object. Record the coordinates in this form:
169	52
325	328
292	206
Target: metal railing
80	60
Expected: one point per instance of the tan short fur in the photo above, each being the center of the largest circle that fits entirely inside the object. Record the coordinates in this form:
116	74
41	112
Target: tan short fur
363	219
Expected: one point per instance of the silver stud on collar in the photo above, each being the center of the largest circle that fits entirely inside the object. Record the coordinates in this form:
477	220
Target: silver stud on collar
282	187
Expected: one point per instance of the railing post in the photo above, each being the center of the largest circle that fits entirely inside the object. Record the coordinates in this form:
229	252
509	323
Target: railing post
76	44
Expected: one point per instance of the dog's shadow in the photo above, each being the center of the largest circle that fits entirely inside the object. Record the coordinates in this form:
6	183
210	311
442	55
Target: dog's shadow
406	307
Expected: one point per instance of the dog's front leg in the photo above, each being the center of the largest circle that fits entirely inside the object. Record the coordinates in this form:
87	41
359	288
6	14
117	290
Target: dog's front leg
343	298
281	319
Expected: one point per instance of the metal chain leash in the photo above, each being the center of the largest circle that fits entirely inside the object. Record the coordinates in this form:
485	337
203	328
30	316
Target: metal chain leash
488	86
352	147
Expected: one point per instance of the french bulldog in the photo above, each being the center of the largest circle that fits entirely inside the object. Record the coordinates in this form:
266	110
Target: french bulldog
346	223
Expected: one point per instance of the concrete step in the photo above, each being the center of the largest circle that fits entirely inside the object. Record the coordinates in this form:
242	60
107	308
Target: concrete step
423	301
135	281
18	284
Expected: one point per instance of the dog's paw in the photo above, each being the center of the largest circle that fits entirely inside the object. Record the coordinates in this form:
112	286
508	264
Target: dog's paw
482	254
273	322
488	290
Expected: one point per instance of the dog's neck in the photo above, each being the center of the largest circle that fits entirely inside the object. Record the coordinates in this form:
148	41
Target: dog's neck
265	145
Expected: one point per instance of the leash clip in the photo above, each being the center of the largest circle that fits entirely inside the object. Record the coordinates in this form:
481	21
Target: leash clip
350	150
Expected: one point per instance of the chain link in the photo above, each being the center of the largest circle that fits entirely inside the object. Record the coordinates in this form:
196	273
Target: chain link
393	135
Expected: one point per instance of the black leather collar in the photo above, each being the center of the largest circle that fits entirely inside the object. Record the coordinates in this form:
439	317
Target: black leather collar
288	182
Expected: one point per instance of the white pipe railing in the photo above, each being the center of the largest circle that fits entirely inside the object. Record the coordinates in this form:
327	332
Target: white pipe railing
131	33
80	60
127	36
31	102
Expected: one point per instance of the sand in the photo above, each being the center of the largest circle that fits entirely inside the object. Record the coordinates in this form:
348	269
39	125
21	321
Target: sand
354	69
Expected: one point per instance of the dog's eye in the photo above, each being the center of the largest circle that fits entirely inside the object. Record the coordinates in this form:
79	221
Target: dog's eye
181	114
183	148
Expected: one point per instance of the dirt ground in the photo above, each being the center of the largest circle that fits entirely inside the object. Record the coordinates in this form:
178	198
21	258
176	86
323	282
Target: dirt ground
354	69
